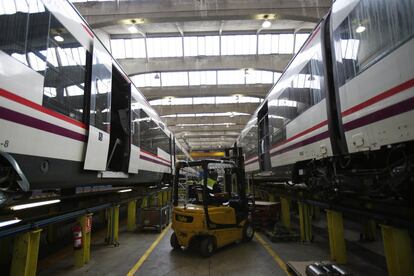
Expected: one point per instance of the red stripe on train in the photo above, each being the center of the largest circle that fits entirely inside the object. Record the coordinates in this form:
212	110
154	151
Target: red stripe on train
8	95
386	94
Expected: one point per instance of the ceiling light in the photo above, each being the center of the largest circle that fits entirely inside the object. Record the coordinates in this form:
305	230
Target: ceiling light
266	24
9	222
58	38
360	29
35	204
133	29
125	191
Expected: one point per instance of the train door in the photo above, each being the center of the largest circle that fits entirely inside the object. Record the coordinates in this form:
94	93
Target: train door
173	153
263	138
120	139
100	105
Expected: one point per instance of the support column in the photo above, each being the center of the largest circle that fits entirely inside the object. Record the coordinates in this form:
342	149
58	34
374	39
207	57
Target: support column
83	255
370	230
160	200
336	236
25	253
285	212
112	232
398	251
305	220
316	212
51	230
144	203
132	216
6	246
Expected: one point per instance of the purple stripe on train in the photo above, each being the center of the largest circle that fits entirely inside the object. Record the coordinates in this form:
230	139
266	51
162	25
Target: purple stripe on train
26	120
153	160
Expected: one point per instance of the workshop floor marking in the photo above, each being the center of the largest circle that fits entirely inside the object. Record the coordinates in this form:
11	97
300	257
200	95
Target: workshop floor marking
144	257
272	253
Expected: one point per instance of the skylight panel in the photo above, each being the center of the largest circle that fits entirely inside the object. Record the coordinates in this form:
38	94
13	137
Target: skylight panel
21	6
265	44
175	79
286	43
74	90
164	47
50	92
76	56
20	57
212	45
118	48
128	48
276	76
154	47
147	80
202	78
204	100
190	46
238	45
69	55
259	76
156	102
349	48
299	40
36	63
231	77
274	43
8	7
226	100
182	101
35	6
138	48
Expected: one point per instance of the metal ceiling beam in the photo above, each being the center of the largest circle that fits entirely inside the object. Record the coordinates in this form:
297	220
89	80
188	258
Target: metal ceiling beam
207	120
101	14
206	108
251	90
207	128
208	134
135	66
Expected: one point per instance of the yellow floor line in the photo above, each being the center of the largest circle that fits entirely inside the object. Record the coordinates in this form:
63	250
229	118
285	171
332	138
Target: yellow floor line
272	253
143	258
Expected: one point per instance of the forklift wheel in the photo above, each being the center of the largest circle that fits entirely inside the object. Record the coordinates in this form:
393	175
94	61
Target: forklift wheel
206	247
174	241
248	232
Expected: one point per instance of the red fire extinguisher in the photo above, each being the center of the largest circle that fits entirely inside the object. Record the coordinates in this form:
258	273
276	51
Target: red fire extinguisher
77	236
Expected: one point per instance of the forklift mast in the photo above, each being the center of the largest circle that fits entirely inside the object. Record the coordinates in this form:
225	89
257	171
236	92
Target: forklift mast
236	154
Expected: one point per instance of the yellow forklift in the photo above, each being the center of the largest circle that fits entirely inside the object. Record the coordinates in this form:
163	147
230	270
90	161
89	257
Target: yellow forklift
211	217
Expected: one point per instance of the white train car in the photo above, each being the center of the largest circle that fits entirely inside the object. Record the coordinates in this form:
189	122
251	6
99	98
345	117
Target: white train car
339	116
69	115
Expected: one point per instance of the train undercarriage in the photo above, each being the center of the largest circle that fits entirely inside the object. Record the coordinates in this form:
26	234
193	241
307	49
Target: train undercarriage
387	173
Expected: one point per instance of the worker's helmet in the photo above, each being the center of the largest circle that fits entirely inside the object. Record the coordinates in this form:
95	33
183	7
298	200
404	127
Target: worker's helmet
212	173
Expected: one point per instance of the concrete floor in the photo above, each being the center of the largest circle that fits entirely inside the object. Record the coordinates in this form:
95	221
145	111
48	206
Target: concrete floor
238	259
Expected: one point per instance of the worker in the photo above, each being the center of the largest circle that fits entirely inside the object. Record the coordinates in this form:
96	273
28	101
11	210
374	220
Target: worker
212	184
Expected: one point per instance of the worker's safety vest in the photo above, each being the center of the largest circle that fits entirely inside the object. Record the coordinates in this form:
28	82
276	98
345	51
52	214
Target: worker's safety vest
211	183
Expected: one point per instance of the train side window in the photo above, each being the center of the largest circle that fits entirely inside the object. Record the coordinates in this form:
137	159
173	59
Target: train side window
371	31
161	140
146	126
317	89
251	143
24	30
135	128
65	72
